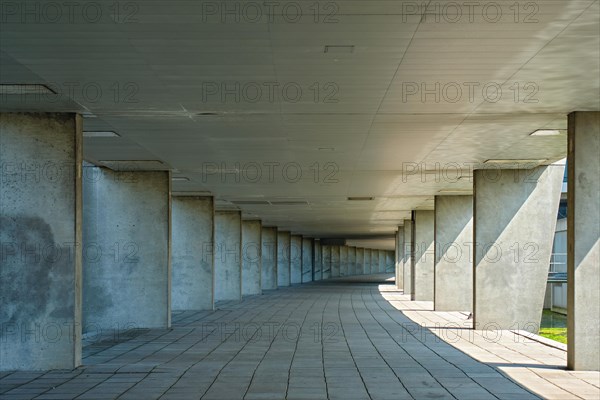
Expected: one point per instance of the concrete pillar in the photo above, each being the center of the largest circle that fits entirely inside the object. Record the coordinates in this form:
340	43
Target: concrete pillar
343	260
423	255
408	256
283	258
318	261
40	221
514	219
583	249
326	261
228	249
296	259
374	261
367	262
400	258
192	255
335	261
307	260
351	260
269	258
453	273
382	259
127	218
251	257
389	262
360	261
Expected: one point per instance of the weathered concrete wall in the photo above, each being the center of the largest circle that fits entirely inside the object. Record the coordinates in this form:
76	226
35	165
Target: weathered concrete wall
335	261
326	261
360	261
389	262
127	216
269	258
583	259
367	261
408	256
251	257
424	257
382	261
40	219
283	258
307	260
343	260
296	259
228	249
514	218
453	261
400	258
192	254
318	266
352	260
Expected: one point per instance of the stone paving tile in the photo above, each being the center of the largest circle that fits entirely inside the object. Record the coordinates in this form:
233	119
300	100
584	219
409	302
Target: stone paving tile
352	338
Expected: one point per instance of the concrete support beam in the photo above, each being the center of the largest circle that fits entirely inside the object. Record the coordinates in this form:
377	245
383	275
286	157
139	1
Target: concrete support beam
326	260
400	258
583	233
283	258
408	256
374	261
343	260
360	261
514	219
335	261
389	261
318	266
351	260
192	255
269	258
367	262
130	214
424	255
382	261
307	260
296	259
40	221
228	255
251	257
453	288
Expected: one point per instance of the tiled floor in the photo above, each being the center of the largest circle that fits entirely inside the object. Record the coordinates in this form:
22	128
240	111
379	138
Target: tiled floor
340	339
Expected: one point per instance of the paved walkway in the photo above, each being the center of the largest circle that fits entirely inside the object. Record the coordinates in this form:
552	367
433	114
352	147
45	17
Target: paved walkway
341	339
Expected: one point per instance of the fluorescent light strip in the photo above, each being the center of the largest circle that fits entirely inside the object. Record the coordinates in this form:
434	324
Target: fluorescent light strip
25	88
547	132
98	134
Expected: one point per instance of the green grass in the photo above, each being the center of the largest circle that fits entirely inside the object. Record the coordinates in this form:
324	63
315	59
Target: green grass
558	334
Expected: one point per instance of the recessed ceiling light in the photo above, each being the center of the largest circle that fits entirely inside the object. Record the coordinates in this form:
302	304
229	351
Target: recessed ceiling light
326	148
100	134
134	165
458	191
547	132
180	178
21	89
516	161
360	198
339	48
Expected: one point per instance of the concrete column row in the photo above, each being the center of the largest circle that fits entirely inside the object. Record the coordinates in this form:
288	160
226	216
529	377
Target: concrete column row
92	250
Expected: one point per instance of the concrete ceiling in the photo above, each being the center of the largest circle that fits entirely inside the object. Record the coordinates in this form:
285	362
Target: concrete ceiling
357	121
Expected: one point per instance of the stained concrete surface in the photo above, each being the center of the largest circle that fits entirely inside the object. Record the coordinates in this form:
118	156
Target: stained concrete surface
40	223
283	258
251	257
422	268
